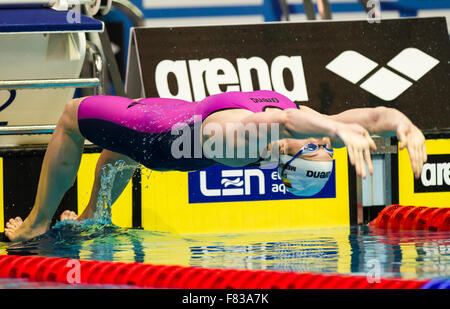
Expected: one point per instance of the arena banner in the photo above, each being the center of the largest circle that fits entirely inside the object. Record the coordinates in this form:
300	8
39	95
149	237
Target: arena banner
328	66
433	186
174	201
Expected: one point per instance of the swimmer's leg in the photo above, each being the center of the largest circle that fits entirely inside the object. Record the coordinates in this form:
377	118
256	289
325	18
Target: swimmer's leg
58	173
120	182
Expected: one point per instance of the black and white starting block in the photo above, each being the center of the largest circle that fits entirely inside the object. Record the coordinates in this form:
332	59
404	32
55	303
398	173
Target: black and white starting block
43	47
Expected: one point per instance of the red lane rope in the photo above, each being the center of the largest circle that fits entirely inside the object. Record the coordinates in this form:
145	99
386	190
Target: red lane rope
397	217
162	276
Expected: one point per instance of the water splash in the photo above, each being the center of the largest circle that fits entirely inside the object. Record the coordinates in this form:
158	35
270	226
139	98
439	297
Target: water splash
101	222
69	233
108	175
104	202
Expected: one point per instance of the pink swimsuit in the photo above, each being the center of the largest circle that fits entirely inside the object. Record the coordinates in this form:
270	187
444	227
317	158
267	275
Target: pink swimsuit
142	129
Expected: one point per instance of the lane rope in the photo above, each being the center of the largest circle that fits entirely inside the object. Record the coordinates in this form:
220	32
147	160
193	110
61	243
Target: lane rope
62	270
413	218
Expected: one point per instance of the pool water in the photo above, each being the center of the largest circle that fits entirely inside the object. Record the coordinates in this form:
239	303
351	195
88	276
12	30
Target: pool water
343	250
357	250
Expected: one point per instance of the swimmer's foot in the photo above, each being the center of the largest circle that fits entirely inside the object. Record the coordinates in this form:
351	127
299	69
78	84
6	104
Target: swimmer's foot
69	215
18	230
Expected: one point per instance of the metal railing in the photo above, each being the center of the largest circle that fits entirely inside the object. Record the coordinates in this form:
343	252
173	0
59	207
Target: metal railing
49	83
27	130
96	82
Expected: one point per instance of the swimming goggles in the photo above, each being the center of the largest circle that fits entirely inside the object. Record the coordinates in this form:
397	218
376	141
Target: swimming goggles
309	148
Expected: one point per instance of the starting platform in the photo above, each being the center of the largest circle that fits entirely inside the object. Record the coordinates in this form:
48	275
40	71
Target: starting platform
43	52
46	20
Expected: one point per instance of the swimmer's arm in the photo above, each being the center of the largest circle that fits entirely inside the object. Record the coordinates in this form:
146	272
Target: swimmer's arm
301	124
293	123
381	120
271	126
387	122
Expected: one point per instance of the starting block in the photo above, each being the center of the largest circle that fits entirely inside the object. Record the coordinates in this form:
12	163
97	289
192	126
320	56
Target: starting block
43	51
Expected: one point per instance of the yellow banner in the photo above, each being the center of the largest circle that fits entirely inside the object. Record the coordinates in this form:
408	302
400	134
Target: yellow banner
166	207
429	189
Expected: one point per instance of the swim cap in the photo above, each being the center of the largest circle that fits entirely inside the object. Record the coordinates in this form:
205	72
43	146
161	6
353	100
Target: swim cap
304	177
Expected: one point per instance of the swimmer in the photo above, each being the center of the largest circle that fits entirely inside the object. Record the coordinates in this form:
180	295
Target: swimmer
140	132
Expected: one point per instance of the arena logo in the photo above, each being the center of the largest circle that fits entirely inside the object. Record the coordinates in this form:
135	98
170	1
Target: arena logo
213	76
435	176
384	83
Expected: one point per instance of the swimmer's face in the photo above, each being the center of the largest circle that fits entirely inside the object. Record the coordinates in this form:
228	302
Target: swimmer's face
290	146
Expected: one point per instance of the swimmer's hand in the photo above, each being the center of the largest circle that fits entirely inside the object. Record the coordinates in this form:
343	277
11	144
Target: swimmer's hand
412	138
358	143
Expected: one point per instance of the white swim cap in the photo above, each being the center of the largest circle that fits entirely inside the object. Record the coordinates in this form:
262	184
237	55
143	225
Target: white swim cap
304	177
